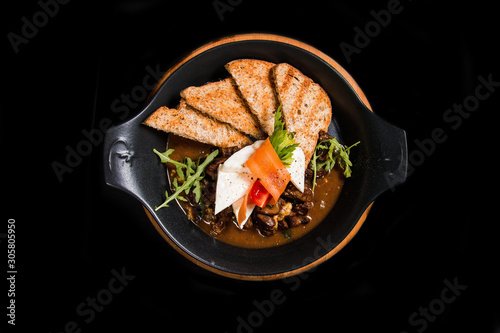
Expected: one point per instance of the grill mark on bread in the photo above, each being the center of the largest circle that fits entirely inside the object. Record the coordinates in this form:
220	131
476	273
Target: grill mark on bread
287	82
224	107
306	106
303	91
252	78
187	122
221	100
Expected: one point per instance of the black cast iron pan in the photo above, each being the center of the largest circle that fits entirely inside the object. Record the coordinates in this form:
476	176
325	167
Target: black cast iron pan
380	160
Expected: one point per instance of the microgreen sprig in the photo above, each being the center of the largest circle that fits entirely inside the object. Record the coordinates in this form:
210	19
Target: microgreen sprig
336	152
194	174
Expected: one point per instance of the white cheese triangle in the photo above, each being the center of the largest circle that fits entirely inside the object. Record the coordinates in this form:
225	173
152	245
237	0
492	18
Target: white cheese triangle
297	168
230	187
234	178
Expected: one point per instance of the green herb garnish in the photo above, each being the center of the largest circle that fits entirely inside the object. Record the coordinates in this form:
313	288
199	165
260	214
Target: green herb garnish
192	177
282	141
336	152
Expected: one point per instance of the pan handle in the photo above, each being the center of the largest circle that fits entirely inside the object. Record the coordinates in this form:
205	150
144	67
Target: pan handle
391	161
119	158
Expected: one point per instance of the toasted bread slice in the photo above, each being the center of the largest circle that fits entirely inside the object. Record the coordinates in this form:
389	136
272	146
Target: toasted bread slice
221	100
307	110
253	79
189	123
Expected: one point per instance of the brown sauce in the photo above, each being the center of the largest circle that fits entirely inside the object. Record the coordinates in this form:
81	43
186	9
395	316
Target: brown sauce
325	196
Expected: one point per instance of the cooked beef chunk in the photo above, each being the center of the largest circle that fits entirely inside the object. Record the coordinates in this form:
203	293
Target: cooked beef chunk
293	193
324	136
309	174
227	152
301	208
222	220
211	169
265	220
207	214
218	226
265	224
297	220
321	173
209	192
269	219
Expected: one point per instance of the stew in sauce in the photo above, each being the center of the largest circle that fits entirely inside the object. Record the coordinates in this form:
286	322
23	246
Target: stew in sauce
324	197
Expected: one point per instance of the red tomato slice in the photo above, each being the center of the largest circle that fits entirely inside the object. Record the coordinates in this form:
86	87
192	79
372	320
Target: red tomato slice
259	195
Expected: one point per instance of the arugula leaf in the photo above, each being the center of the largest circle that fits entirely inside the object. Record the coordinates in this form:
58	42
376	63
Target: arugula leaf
282	141
194	174
336	152
165	158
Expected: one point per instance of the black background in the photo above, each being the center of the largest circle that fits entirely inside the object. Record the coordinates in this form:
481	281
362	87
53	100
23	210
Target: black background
72	234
